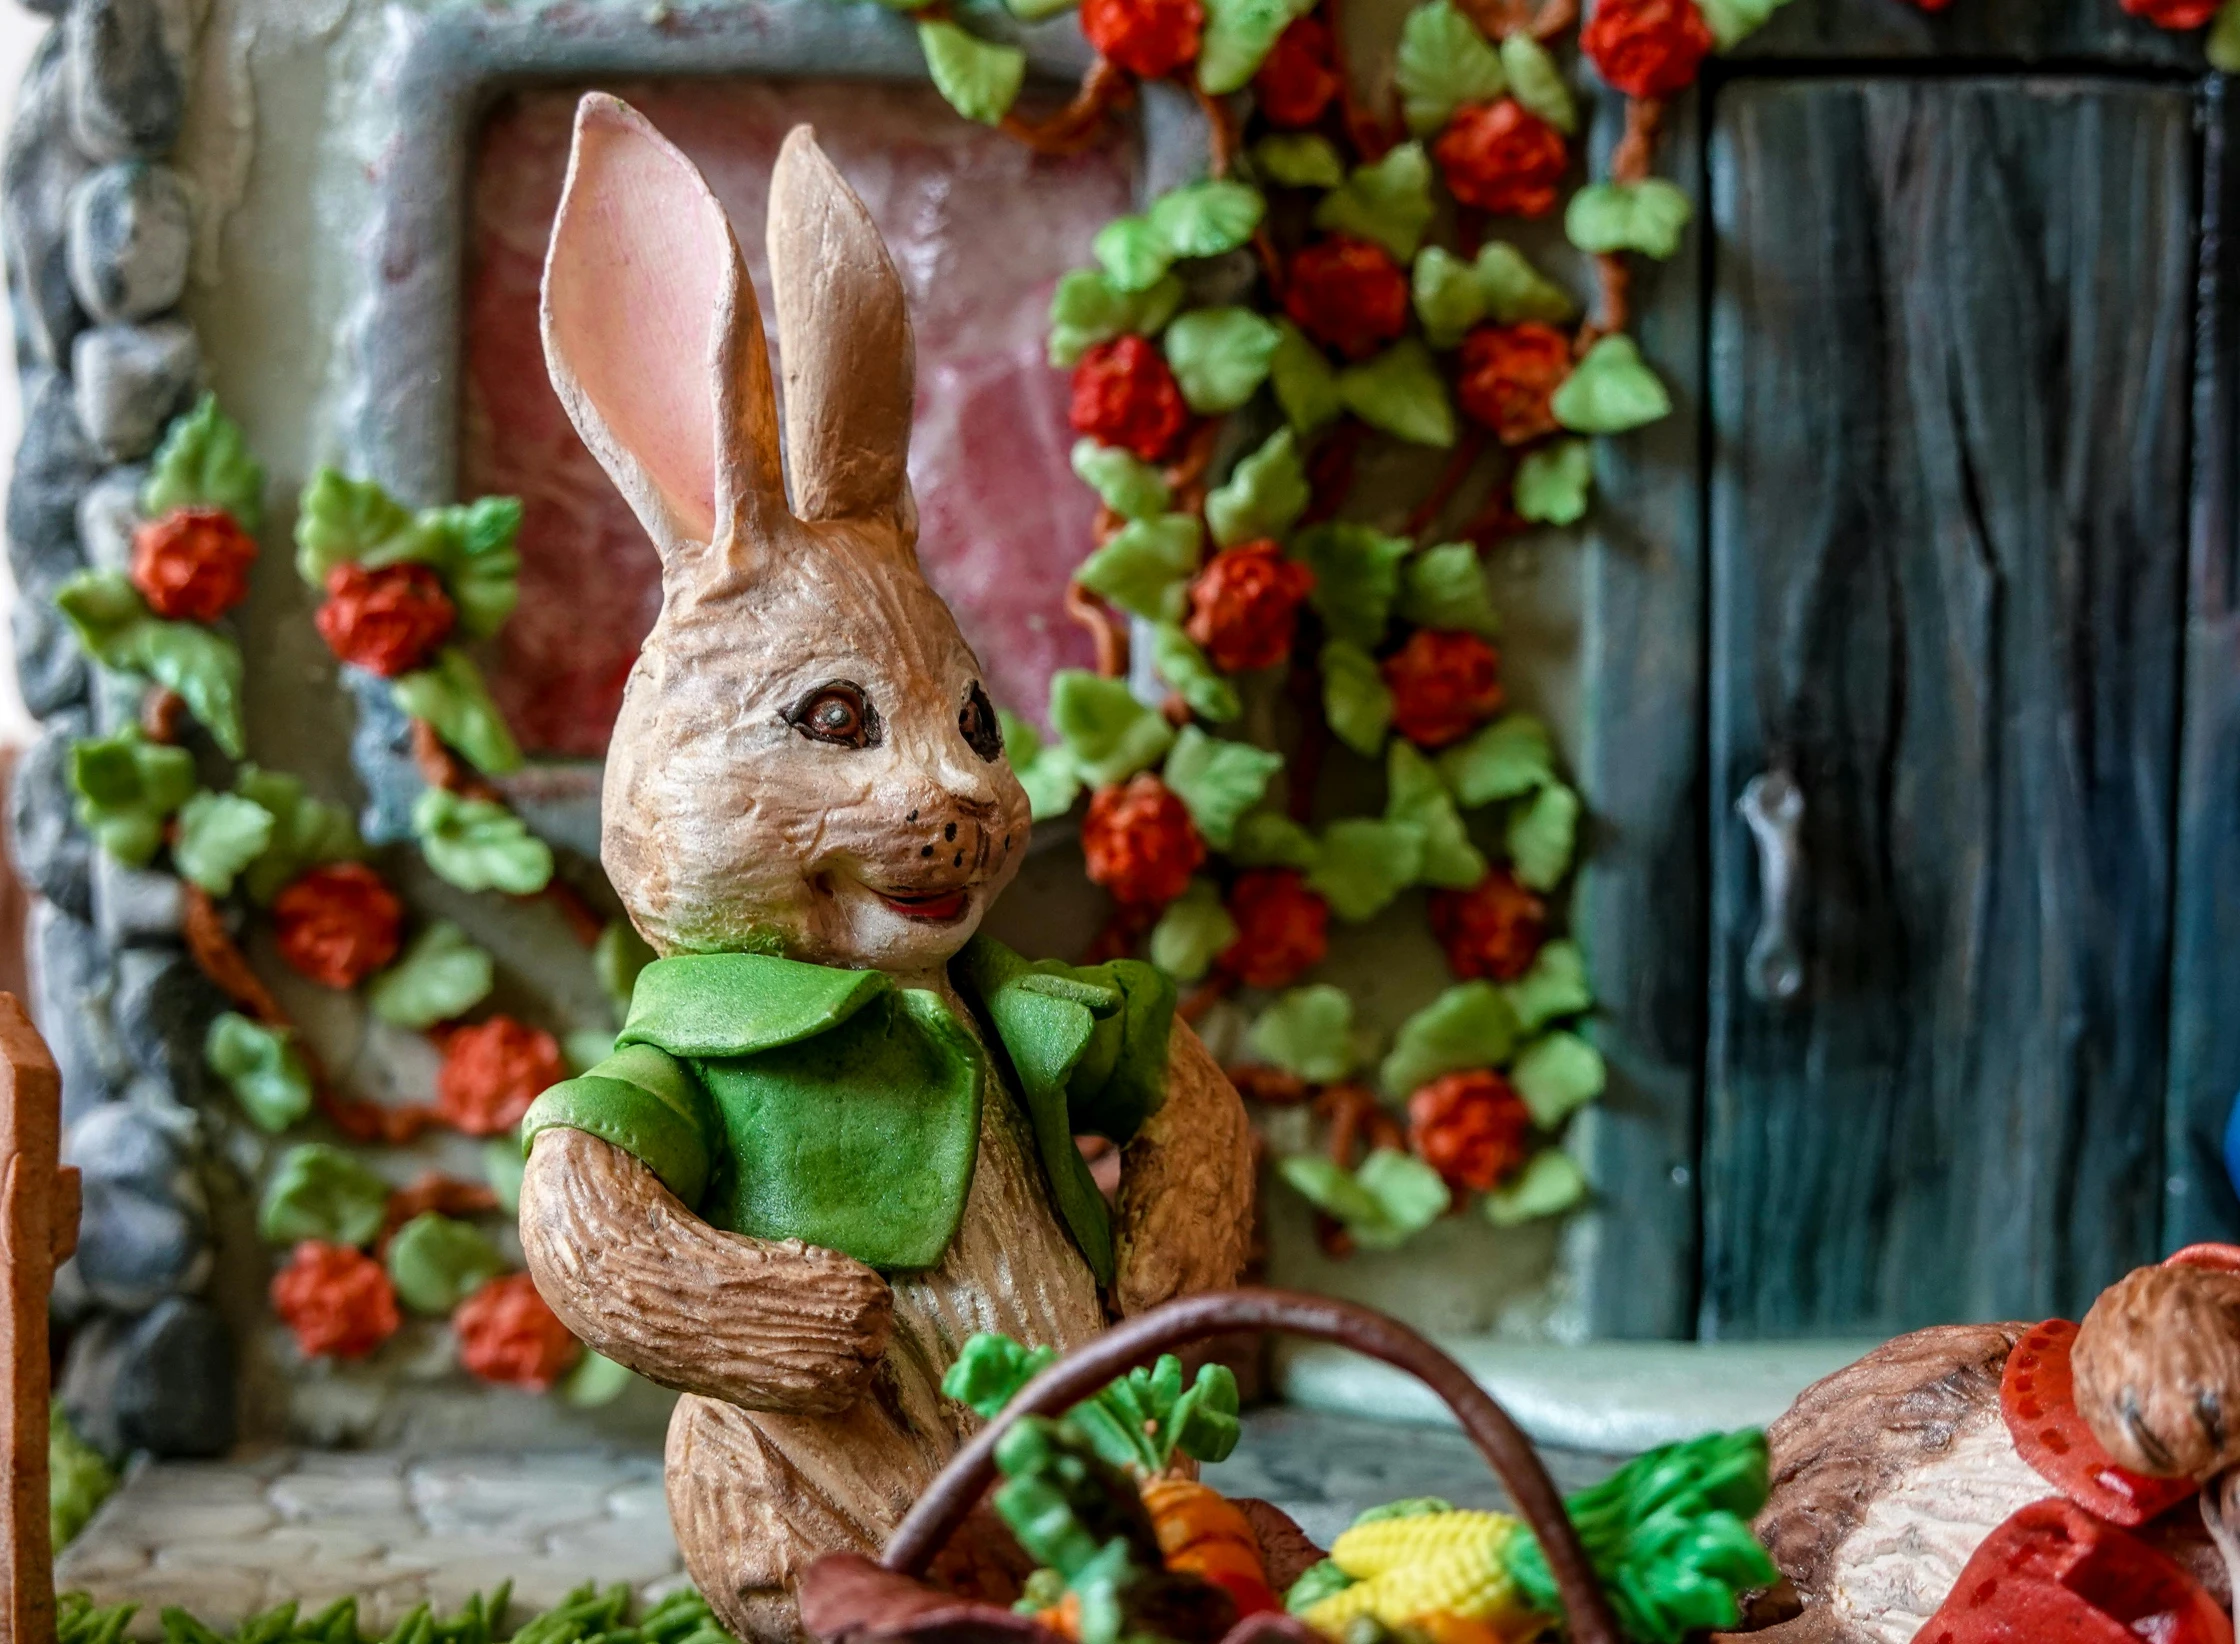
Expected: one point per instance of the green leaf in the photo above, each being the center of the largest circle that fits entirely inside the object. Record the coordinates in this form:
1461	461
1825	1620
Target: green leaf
1192	933
1448	298
1548	1186
979	78
1047	773
1416	795
988	1373
477	559
1409	1195
1206	219
1646	217
1444	64
1238	34
1087	308
2224	39
616	959
118	631
1184	667
1610	391
584	1049
219	835
1556	985
1733	21
1388	202
1553	481
1264	494
1536	82
1356	577
306	832
1134	256
1445	587
503	1168
1470	1025
1516	291
597	1380
1361	865
1299	159
1144	566
1557	1074
437	1262
1308	1032
321	1192
1220	356
1306	385
451	698
1511	756
204	462
126	787
479	845
1331	1189
1400	392
1541	834
344	520
262	1068
1269	839
1108	733
442	975
1123	481
1218	780
1355	698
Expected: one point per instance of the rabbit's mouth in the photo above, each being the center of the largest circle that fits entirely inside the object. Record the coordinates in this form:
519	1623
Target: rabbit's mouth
934	907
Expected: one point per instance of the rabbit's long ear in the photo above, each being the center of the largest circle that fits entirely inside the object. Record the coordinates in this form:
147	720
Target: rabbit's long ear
844	341
652	335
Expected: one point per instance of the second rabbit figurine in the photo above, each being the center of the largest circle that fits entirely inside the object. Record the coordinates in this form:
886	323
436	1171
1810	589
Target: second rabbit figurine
837	1136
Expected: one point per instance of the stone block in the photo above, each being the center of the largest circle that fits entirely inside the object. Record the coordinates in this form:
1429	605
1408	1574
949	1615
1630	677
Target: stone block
163	1012
52	853
38	175
161	1382
108	514
144	1233
127	90
70	995
131	380
54	464
50	666
136	907
131	238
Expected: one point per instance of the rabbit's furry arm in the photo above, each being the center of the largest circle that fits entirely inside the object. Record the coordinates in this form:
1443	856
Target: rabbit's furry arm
754	1322
1185	1212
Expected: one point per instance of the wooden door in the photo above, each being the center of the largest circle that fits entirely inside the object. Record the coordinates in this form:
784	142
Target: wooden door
1949	331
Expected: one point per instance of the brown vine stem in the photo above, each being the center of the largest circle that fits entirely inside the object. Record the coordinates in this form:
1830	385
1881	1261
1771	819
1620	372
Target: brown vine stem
436	1192
1221	127
1105	630
1186	477
219	957
1206	995
161	713
1371	135
1554	18
1104	90
1269	1086
1467	451
439	767
1635	156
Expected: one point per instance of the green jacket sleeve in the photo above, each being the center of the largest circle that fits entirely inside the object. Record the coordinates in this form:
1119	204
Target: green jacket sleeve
646	1102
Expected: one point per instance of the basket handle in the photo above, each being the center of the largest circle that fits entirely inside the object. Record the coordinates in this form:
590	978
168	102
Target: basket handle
942	1510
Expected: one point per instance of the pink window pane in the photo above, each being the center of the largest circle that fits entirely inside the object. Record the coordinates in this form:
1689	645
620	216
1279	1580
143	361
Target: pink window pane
980	229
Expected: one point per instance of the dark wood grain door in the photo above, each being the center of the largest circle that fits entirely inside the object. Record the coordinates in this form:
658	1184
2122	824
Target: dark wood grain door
1947	404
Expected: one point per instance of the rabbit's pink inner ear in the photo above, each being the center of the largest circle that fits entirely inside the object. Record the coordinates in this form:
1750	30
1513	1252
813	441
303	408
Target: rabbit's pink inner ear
639	290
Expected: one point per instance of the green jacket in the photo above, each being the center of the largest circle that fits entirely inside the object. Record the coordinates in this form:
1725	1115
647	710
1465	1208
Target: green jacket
794	1101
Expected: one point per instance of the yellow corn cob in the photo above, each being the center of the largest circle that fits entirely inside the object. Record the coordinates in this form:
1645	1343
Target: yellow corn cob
1393	1543
1430	1564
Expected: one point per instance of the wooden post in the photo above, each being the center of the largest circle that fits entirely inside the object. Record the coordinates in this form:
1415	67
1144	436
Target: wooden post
38	1229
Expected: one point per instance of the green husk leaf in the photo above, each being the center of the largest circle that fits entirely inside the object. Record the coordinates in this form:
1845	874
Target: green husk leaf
204	462
1264	494
979	78
1220	356
343	521
1108	733
1444	64
1557	1074
262	1068
442	975
1449	300
126	787
1192	933
1362	864
1401	393
437	1262
1541	835
321	1192
1388	202
479	845
1299	159
1308	1032
1536	81
1445	587
1416	795
478	560
1556	985
1123	481
1045	771
1355	698
1269	839
1549	1185
1238	35
1218	780
1647	217
1610	391
1509	757
1470	1025
1184	667
1516	291
1356	577
1553	482
1145	565
1318	1581
1087	308
451	697
1206	219
219	835
1305	383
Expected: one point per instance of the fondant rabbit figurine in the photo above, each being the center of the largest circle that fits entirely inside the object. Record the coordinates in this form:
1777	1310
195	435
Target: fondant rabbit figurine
836	1139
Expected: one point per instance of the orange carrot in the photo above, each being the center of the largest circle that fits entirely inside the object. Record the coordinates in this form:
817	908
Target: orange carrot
1201	1532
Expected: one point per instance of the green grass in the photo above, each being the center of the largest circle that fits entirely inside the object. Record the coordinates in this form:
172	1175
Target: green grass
587	1616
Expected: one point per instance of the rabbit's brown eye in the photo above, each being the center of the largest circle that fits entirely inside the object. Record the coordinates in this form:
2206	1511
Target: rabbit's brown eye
838	713
983	732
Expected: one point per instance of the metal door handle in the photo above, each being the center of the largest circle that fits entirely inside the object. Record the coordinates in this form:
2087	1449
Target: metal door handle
1773	806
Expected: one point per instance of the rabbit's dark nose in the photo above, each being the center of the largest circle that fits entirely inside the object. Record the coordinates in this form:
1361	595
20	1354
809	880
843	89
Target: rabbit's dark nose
961	832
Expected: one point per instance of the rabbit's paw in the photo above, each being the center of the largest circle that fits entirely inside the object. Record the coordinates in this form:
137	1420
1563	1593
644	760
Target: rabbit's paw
2157	1363
1185	1212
